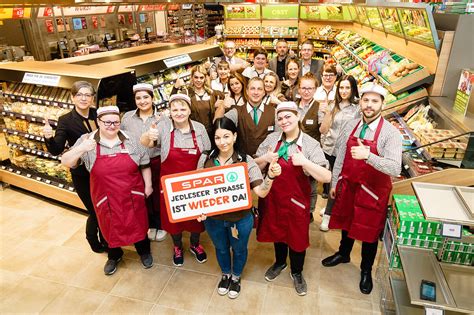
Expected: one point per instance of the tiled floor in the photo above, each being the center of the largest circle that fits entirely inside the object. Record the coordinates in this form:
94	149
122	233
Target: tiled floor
46	267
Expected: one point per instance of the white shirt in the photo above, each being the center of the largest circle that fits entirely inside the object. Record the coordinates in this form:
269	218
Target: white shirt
251	72
260	110
217	85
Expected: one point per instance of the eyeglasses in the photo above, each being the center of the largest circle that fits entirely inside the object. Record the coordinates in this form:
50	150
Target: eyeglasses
81	95
110	123
307	89
328	75
229	47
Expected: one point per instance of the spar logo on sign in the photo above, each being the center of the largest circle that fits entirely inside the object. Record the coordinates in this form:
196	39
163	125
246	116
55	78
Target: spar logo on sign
209	191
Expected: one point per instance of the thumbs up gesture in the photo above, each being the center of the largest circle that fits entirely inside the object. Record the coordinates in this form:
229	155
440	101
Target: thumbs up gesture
153	132
360	152
298	158
270	155
274	169
89	143
47	129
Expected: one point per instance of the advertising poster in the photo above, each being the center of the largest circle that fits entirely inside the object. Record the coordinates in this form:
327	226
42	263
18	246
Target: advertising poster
130	19
463	94
102	21
62	24
95	22
49	26
209	191
121	19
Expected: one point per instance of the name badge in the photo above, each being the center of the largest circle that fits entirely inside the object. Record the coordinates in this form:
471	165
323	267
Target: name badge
271	128
124	151
309	121
192	151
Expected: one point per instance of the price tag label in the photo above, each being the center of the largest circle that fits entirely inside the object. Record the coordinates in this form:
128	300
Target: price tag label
22	98
55	104
28	150
12	96
11	115
15	146
22	117
61	185
10	169
47	102
38	138
33	151
4	167
433	311
38	178
15	133
18	172
451	230
4	130
33	119
47	181
71	188
28	175
39	101
3	113
22	148
39	153
28	100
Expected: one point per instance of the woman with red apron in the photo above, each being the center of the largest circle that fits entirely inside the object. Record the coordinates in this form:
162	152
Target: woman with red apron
120	182
181	141
285	215
135	123
362	188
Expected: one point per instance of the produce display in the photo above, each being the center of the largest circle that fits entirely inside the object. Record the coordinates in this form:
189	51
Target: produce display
251	43
391	67
36	110
326	31
264	31
240	30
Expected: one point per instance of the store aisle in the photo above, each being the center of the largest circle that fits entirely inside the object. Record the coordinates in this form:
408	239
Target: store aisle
46	267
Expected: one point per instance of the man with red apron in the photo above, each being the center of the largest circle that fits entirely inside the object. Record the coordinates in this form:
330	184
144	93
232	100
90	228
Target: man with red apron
285	211
362	187
181	141
118	187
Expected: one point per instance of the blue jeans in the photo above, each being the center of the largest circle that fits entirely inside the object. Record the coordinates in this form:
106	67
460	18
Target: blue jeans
221	235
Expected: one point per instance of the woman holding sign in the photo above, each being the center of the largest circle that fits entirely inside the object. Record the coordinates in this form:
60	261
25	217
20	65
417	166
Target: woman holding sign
285	212
81	120
181	141
233	229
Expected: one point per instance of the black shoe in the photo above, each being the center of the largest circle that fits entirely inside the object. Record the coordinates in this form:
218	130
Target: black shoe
335	260
234	289
111	266
147	260
365	284
224	285
325	196
97	247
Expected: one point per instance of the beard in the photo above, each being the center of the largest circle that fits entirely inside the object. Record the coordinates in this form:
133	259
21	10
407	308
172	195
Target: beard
373	115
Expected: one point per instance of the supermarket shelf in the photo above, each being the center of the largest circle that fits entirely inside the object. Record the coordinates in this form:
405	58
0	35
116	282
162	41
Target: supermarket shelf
260	36
185	77
23	134
34	151
39	101
29	117
417	78
322	50
411	98
40	184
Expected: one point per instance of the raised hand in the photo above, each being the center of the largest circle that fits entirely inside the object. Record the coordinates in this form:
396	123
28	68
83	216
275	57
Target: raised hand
47	129
298	158
270	155
88	144
274	169
360	152
153	132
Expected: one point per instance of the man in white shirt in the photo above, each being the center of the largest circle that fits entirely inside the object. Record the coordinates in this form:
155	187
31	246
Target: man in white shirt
236	64
259	65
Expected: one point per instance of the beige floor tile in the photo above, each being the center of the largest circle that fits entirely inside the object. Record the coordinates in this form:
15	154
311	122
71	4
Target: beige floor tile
25	257
9	243
31	295
145	285
75	301
78	240
163	310
20	222
330	305
61	264
282	300
250	300
120	305
189	291
92	276
59	229
8	281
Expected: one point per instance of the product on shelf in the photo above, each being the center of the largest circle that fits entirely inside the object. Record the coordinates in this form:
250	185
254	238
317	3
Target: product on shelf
264	31
326	31
36	110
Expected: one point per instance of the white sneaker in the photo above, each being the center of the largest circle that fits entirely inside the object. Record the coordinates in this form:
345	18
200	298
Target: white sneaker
160	235
321	212
151	234
325	223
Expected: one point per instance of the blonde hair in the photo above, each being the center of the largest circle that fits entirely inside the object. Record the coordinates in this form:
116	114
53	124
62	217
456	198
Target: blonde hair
277	88
201	69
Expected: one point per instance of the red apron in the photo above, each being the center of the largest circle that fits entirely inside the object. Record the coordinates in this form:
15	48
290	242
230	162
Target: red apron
179	160
285	210
362	194
117	191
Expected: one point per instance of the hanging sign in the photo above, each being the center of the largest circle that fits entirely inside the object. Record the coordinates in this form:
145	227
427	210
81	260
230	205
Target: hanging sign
176	61
41	79
236	11
209	191
277	11
464	92
15	13
72	11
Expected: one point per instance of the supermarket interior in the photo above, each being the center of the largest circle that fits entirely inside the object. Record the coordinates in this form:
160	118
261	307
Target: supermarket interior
420	52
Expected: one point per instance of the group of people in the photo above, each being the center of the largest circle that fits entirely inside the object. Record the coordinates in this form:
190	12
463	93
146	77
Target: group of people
290	130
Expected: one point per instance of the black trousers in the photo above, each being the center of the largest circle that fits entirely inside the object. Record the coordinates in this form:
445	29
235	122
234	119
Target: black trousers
83	189
327	186
296	258
154	221
142	247
369	251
